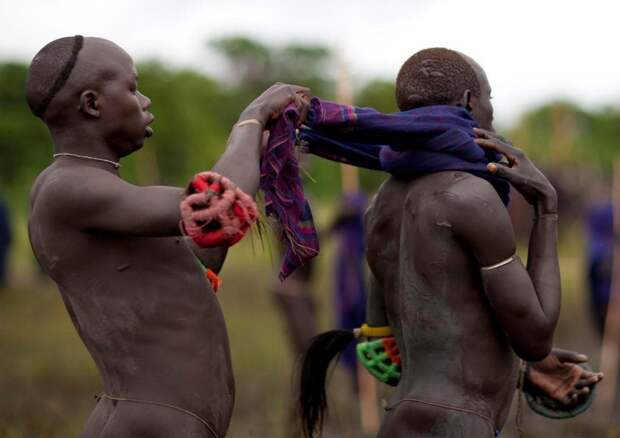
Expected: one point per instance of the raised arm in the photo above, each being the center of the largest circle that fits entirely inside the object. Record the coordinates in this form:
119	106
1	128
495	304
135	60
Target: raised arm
94	199
241	160
526	302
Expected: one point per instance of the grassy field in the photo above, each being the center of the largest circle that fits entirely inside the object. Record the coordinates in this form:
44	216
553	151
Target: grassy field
48	380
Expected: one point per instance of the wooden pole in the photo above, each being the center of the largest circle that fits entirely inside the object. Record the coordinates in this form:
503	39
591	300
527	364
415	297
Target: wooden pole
350	184
610	356
344	94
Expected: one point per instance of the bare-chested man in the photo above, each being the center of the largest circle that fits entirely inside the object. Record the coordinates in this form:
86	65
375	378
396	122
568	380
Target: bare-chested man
133	287
446	279
441	248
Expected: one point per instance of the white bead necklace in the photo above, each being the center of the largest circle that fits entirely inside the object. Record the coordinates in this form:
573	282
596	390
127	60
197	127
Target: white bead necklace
86	157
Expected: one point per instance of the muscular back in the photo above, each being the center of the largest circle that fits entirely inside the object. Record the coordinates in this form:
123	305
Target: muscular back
452	348
139	302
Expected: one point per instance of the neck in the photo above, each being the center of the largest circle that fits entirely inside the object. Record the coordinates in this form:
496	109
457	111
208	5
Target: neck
82	142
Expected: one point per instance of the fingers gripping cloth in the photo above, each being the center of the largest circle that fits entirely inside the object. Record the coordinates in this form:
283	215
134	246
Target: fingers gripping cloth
215	212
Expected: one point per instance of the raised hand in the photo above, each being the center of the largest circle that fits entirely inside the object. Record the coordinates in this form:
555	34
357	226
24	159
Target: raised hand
271	103
520	172
560	377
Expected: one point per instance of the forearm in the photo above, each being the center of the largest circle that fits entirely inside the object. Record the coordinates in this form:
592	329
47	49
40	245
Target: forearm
542	263
241	160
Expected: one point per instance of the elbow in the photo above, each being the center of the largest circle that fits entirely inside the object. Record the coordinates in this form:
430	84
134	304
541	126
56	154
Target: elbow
534	350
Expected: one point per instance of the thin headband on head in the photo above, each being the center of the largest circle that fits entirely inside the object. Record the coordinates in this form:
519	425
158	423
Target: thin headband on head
78	42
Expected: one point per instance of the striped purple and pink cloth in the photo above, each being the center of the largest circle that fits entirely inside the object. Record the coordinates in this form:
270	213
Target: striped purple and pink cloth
405	144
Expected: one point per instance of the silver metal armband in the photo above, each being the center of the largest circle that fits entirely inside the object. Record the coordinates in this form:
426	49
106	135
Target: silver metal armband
498	265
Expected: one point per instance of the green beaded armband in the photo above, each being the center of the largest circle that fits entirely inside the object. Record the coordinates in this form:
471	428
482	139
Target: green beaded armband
380	357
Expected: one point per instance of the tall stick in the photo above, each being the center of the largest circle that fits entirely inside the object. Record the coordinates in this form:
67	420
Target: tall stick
350	184
344	94
611	337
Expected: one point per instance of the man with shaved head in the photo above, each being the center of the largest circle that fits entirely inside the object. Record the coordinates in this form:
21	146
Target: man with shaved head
446	281
131	283
446	278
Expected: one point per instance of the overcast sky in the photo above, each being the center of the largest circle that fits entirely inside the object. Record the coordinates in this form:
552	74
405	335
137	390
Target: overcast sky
532	51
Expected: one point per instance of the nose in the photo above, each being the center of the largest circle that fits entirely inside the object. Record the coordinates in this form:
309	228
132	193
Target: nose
146	102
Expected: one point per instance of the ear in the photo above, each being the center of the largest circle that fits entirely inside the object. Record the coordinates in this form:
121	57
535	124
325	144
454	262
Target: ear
465	101
89	103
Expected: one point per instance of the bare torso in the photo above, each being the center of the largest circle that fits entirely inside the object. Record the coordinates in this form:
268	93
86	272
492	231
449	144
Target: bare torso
453	351
147	316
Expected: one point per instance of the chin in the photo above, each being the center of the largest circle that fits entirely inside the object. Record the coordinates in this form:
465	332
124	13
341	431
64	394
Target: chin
131	148
137	146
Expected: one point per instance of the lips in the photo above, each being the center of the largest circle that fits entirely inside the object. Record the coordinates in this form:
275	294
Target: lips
148	131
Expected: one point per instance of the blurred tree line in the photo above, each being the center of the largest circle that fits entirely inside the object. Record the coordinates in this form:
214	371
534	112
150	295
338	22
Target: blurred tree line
194	113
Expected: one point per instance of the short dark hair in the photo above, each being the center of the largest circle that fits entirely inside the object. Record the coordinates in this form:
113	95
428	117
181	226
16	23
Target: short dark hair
434	76
49	70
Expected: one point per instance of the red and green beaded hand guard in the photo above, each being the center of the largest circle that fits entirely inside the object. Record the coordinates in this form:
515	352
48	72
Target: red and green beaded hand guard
381	358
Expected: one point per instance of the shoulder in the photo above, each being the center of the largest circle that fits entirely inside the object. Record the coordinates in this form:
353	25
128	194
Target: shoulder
479	217
471	195
65	189
386	202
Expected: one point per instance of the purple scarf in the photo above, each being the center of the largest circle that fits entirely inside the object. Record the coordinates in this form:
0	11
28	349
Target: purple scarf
406	144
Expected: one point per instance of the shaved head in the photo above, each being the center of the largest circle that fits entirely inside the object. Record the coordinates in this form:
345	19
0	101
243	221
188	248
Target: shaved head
49	71
434	76
64	68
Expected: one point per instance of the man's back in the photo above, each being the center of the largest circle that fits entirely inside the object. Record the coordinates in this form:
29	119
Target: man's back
453	351
140	304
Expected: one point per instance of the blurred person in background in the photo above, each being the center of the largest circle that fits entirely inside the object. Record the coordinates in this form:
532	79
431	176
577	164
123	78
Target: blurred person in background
600	232
297	306
350	272
5	242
